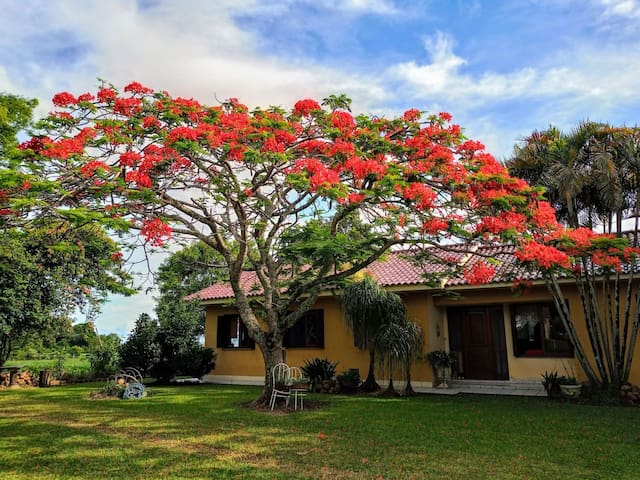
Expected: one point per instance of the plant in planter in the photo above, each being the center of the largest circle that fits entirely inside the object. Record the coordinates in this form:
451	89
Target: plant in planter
551	384
349	381
442	363
321	373
557	385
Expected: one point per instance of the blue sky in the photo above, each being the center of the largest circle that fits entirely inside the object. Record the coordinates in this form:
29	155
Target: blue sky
501	68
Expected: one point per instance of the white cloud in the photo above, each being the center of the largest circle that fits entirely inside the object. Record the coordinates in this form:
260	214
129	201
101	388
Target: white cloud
600	80
198	52
623	8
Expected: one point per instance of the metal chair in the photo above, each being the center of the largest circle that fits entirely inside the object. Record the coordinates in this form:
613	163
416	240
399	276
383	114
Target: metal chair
298	389
281	381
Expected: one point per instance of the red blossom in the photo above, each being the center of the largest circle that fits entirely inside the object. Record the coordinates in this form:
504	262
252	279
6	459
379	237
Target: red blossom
479	273
356	197
116	257
434	226
129	159
421	194
341	147
155	231
181	133
305	107
86	97
543	255
150	122
343	121
64	99
62	115
141	179
137	88
26	185
126	106
363	167
445	116
106	95
89	168
521	286
411	115
503	222
607	261
37	144
543	215
470	146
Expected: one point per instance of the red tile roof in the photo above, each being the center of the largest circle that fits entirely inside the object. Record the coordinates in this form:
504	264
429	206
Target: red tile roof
397	270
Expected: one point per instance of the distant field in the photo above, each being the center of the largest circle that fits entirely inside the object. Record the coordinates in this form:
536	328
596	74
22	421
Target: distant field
73	366
206	432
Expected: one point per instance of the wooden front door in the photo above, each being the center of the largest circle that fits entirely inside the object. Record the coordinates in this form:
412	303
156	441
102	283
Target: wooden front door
477	333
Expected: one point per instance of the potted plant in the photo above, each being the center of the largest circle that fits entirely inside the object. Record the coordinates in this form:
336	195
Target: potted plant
557	385
569	386
442	362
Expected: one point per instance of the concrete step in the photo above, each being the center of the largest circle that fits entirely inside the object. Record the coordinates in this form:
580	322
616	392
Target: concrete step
529	388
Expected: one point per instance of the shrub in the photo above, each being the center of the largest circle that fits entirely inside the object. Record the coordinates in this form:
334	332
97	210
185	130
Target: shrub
104	360
319	369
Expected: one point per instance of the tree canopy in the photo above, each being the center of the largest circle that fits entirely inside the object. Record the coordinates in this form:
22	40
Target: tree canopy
271	190
49	267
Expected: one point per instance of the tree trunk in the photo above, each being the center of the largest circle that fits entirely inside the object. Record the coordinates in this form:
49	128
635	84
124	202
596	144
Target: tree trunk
390	391
272	354
408	390
5	348
370	384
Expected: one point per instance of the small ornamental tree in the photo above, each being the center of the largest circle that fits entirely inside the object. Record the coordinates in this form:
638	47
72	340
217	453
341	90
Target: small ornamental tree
604	270
272	189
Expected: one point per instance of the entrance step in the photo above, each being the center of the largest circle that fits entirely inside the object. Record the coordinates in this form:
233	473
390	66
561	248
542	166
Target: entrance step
527	388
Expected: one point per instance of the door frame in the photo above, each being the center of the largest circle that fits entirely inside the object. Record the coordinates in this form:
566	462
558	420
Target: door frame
457	316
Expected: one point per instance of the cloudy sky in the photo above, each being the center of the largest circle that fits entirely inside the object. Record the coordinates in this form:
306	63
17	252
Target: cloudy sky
501	68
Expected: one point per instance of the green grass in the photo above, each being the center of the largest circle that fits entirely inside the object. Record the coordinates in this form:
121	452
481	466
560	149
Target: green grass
205	432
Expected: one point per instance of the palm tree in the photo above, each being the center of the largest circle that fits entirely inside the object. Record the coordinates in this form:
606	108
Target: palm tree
367	308
559	162
415	341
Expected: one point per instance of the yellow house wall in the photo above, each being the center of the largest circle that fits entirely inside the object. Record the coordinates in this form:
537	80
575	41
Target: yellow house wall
338	342
431	313
531	368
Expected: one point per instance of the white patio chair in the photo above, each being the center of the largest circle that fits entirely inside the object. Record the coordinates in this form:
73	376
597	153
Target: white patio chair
298	389
281	382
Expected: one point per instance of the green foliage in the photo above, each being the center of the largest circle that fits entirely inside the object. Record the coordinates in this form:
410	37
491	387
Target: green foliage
442	359
15	115
104	359
49	273
189	270
319	369
169	347
141	349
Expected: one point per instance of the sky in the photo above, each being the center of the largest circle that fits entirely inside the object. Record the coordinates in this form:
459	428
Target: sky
501	68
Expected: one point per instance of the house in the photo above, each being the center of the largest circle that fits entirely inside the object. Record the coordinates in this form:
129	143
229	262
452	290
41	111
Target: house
498	335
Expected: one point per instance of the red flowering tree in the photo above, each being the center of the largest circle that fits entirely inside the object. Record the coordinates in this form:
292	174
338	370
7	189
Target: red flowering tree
304	197
603	268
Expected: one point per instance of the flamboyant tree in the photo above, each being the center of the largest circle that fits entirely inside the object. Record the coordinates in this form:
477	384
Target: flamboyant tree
592	175
274	191
603	268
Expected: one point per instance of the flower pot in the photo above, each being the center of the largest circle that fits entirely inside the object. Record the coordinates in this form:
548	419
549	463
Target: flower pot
571	391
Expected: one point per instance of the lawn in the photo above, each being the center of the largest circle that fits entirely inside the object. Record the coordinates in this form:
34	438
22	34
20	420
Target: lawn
195	432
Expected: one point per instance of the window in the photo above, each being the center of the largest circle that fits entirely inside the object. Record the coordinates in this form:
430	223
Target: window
538	331
232	333
308	331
